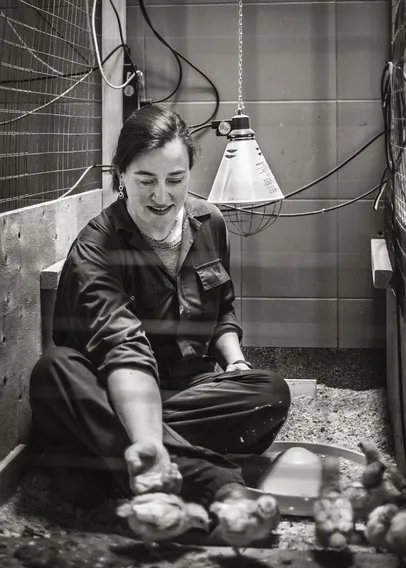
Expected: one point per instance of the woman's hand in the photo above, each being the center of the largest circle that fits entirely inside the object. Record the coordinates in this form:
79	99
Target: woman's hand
150	469
237	366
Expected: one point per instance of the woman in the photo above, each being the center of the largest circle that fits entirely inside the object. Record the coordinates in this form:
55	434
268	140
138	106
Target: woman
144	310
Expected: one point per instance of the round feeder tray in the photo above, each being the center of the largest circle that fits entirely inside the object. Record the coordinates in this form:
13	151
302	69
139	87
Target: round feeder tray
295	474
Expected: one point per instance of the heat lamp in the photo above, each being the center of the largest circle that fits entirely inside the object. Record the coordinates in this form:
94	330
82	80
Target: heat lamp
244	188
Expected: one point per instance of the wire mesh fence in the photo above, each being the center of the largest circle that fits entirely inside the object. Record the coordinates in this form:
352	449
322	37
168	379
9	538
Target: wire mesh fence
50	100
394	106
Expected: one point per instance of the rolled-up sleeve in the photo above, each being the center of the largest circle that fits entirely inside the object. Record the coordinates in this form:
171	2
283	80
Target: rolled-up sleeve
227	320
93	308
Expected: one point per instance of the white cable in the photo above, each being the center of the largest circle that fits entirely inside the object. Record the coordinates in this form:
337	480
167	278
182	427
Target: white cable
97	52
48	103
74	186
26	46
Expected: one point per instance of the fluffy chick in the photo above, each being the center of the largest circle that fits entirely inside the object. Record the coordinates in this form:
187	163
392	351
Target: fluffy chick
396	537
333	514
155	517
393	486
378	525
244	520
365	494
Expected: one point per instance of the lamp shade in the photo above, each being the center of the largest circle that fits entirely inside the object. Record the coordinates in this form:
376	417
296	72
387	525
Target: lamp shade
244	176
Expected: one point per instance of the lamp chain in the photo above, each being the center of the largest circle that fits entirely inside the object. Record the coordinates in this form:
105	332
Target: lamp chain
240	101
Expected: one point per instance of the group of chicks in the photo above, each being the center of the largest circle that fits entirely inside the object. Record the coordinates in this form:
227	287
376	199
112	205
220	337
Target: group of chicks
156	517
376	499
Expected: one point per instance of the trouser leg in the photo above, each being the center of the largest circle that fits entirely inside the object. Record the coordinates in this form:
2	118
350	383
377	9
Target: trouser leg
69	407
238	412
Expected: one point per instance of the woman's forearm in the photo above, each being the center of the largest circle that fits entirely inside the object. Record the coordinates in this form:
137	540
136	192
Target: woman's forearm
227	349
137	402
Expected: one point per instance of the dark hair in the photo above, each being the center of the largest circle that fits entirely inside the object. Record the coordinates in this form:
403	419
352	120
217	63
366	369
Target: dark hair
148	128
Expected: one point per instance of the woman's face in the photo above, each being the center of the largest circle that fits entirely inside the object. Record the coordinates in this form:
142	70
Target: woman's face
156	184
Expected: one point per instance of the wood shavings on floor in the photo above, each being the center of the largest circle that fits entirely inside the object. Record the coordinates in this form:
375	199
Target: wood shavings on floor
336	416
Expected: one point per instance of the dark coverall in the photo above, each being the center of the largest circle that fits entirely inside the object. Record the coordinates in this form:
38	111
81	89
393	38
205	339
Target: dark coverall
117	306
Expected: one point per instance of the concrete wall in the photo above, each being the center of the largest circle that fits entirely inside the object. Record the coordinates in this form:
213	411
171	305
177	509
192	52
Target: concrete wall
30	240
311	87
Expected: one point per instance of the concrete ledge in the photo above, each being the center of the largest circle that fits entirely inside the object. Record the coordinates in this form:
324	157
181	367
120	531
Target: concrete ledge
381	265
49	279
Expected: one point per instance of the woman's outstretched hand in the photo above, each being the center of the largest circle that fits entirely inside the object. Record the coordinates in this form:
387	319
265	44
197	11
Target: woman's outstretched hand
236	367
150	469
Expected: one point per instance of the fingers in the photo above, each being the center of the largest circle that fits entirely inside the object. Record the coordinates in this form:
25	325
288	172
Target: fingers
237	367
140	457
166	480
171	479
148	482
134	464
150	470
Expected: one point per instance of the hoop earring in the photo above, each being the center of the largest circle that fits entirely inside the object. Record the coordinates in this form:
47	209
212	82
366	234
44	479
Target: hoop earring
121	194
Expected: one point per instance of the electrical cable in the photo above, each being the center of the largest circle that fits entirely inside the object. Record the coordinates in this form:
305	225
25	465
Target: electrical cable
311	184
65	76
382	187
31	51
206	124
215	90
334	170
331	172
202	127
162	40
74	186
392	169
123	43
81	177
39	12
304	214
97	52
324	176
264	214
33	111
179	56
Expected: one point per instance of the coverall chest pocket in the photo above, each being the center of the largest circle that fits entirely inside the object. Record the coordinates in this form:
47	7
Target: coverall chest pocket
146	299
211	276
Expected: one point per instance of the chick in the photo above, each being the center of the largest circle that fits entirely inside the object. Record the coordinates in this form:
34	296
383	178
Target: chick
396	537
378	525
333	514
393	487
155	517
244	520
365	494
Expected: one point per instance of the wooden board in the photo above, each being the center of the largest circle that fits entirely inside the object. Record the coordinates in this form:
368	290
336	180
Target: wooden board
381	265
10	471
32	239
112	99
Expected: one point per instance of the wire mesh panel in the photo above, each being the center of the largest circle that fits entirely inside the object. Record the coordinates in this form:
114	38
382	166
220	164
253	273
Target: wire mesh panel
50	101
394	107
